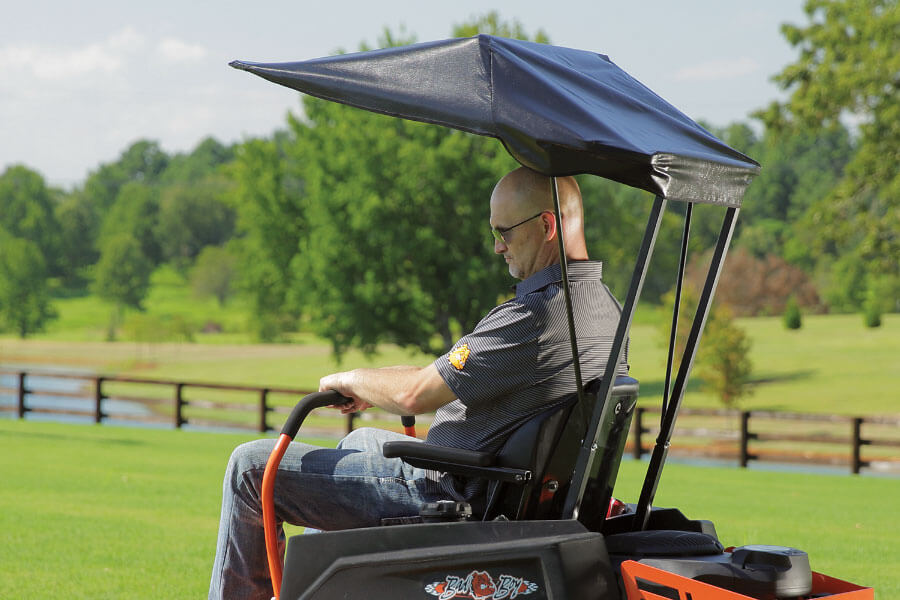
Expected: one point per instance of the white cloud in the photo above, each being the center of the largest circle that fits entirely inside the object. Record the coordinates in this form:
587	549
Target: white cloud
52	64
717	69
127	40
49	63
175	50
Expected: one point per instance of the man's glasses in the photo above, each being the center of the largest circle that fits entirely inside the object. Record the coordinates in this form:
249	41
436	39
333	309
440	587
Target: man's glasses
499	231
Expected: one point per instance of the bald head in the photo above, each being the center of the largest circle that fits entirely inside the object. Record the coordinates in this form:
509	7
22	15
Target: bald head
528	192
525	197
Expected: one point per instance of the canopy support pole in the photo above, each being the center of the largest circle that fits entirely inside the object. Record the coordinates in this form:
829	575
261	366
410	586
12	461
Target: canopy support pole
591	445
676	310
570	313
661	450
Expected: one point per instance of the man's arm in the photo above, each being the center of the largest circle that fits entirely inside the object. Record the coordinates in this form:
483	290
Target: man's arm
399	390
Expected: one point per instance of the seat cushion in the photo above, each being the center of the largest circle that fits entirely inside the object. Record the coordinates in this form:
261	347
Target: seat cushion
664	542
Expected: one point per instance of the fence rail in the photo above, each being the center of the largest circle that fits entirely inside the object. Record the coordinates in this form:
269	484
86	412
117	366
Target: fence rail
758	429
745	436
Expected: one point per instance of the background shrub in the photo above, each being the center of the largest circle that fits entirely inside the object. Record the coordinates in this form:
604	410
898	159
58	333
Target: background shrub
792	318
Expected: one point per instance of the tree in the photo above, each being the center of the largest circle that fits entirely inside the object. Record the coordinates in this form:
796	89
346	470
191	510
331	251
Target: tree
142	162
270	204
491	23
799	168
24	294
192	216
882	295
122	276
753	286
847	279
79	227
26	211
792	317
204	161
723	357
135	213
849	66
398	246
214	273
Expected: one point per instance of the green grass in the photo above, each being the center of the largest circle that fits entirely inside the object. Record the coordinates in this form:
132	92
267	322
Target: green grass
107	512
298	365
832	365
101	512
86	318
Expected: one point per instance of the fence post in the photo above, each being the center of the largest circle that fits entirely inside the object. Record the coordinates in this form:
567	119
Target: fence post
857	462
639	430
98	400
179	404
263	410
20	404
746	436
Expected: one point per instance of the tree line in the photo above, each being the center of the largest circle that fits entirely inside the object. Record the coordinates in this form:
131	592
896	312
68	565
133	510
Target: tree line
107	236
367	229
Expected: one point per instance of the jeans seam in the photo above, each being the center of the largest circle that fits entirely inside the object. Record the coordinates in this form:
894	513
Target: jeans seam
407	483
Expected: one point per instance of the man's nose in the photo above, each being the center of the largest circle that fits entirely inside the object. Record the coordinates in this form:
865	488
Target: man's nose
499	246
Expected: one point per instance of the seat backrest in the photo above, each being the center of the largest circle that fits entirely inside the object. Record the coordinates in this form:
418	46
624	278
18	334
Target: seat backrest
611	437
548	445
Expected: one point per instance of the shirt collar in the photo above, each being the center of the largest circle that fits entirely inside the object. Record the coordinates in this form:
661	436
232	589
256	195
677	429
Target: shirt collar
578	270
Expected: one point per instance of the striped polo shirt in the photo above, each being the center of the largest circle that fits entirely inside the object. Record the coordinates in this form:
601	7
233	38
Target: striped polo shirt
518	360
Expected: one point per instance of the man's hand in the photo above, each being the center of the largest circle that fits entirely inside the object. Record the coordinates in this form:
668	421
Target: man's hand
341	383
355	405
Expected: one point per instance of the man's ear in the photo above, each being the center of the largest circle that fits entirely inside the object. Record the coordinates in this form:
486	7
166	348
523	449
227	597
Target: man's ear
548	219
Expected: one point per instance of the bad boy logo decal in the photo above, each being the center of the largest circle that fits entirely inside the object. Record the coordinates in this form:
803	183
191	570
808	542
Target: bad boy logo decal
459	357
479	585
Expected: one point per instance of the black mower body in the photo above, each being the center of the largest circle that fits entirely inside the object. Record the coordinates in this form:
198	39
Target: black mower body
529	559
497	560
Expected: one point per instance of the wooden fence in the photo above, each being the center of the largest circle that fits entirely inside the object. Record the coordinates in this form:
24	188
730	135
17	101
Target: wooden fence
745	436
180	403
776	436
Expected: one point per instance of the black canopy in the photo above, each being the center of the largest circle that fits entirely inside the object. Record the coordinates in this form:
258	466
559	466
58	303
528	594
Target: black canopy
557	110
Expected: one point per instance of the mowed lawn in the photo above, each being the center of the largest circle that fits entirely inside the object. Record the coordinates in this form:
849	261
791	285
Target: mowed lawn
106	512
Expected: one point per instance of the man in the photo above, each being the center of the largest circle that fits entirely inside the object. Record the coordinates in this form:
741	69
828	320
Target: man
516	362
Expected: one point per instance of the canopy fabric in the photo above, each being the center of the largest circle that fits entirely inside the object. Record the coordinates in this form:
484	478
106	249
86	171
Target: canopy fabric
557	110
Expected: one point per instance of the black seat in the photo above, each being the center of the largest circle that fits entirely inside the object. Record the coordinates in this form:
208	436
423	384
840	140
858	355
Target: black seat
529	476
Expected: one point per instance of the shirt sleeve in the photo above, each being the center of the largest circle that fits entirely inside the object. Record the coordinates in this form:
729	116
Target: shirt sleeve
497	358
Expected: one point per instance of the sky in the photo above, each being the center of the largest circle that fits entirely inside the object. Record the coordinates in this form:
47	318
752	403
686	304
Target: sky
81	81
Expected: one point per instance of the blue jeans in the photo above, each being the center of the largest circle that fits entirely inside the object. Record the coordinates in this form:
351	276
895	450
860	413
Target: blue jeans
322	488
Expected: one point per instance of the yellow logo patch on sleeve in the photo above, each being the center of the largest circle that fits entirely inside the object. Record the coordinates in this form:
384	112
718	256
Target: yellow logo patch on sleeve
459	357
